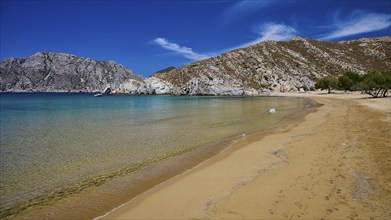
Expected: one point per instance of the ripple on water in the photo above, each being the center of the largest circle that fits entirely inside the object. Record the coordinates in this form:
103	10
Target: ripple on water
57	145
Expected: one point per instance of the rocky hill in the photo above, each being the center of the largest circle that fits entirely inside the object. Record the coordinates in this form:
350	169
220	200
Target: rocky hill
165	70
258	69
276	66
61	72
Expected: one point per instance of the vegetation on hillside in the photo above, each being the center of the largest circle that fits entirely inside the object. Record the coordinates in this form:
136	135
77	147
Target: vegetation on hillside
375	84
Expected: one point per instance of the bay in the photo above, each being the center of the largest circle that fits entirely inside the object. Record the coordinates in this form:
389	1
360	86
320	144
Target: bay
50	141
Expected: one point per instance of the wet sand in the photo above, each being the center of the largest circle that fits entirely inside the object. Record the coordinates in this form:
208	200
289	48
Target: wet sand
334	164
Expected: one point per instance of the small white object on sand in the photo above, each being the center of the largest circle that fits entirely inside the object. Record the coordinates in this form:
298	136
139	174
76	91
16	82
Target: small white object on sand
272	110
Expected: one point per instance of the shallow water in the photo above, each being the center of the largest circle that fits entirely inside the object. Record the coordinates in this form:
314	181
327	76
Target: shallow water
52	141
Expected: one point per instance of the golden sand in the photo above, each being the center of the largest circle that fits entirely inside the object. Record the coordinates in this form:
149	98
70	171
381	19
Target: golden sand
334	164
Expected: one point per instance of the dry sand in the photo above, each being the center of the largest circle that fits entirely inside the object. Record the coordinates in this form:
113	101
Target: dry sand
333	165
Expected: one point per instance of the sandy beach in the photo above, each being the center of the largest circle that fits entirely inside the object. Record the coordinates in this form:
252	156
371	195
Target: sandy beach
334	165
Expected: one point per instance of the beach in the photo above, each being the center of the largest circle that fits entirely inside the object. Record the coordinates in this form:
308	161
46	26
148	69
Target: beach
101	153
333	164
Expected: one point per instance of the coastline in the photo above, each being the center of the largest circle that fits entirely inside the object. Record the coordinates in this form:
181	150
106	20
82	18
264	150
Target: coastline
81	201
334	164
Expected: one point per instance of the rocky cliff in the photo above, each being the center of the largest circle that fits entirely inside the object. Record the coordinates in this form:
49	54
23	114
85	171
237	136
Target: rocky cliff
258	69
276	66
61	72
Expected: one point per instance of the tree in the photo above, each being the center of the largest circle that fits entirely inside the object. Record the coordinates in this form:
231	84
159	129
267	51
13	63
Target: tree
355	77
376	84
345	83
328	82
348	80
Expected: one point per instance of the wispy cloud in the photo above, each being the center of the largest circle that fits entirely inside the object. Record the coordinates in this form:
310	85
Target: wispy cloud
248	6
277	32
184	51
242	8
271	31
359	23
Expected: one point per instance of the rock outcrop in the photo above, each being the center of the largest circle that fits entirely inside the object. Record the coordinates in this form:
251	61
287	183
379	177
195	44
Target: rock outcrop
278	66
61	72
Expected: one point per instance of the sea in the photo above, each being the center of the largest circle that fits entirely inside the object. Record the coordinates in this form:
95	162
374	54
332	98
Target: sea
58	144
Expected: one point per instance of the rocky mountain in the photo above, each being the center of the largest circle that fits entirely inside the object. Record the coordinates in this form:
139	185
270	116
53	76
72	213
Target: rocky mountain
276	67
61	72
258	69
165	70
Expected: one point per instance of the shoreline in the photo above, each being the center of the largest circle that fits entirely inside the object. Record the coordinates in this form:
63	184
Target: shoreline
288	178
224	147
88	203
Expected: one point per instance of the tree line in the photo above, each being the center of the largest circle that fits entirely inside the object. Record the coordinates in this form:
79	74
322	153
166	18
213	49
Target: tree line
375	84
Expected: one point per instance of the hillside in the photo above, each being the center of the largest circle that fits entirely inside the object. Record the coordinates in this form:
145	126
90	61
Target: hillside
61	72
277	66
255	70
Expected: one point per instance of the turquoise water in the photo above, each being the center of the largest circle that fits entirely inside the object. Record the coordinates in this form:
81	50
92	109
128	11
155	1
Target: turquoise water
52	141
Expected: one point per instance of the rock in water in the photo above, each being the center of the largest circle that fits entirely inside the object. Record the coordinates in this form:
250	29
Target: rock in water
272	110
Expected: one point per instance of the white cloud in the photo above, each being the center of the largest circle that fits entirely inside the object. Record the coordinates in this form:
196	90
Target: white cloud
268	31
184	51
359	23
272	31
277	32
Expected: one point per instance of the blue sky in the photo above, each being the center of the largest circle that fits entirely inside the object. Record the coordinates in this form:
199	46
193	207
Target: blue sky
149	35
